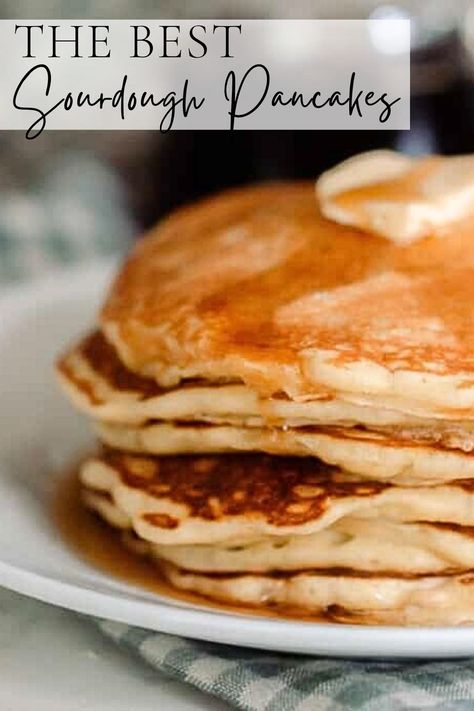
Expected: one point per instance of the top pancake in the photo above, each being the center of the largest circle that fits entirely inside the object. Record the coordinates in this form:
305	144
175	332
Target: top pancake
255	285
100	385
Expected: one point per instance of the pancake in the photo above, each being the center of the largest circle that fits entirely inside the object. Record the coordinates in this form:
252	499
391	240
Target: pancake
348	544
351	543
390	600
212	500
367	555
370	455
99	384
255	285
394	596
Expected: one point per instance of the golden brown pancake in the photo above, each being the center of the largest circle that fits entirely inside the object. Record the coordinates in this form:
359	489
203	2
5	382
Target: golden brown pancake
367	545
294	534
256	285
204	417
202	499
100	356
98	383
374	600
370	455
212	499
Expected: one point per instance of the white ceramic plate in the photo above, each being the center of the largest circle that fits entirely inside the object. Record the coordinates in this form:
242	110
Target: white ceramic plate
39	433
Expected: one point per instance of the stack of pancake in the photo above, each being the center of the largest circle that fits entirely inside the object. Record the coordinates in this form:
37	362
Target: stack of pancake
285	403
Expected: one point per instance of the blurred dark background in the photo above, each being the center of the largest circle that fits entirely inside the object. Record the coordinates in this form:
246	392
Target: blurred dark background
185	165
159	171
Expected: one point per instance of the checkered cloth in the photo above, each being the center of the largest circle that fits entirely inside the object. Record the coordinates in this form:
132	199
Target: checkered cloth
261	681
76	214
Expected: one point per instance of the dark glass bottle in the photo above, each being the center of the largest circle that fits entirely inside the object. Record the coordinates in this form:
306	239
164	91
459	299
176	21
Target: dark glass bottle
184	165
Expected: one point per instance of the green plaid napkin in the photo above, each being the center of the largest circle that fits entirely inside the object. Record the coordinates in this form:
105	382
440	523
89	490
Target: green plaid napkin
261	681
77	214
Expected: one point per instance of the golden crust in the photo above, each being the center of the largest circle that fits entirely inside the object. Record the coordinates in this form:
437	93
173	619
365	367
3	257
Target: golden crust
249	284
101	356
286	491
